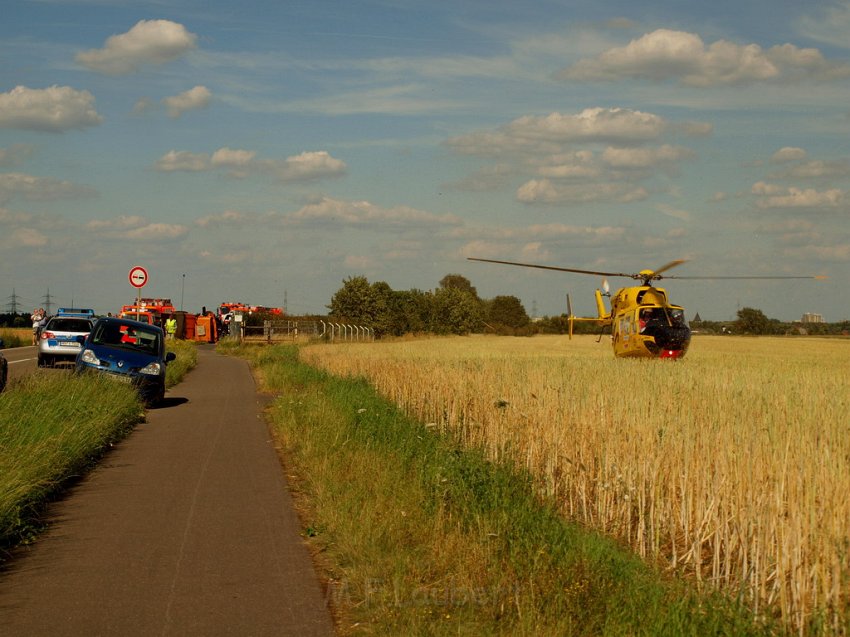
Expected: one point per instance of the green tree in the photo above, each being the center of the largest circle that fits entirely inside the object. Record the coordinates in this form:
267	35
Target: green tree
753	321
410	311
458	282
361	303
382	319
455	311
507	311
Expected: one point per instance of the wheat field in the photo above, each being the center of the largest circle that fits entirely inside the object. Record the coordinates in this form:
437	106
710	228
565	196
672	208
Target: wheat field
731	465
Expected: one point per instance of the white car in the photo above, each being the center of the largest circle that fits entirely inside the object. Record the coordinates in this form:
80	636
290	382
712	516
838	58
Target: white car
58	339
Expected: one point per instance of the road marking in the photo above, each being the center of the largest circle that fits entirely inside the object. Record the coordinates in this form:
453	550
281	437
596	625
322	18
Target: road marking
22	360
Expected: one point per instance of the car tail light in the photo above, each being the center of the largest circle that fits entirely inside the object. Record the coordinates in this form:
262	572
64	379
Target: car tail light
48	335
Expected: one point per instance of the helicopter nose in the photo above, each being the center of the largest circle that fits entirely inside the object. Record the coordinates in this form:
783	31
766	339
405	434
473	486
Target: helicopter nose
671	342
673	338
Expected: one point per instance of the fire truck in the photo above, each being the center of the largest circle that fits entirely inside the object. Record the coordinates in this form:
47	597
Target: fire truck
230	307
193	327
149	310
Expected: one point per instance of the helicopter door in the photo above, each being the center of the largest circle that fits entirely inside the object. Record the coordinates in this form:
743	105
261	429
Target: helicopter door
625	328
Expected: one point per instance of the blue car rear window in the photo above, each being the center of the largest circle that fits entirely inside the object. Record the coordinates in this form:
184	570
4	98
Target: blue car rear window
69	325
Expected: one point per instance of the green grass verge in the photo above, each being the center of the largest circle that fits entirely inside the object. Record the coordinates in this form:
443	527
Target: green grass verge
54	427
416	535
187	359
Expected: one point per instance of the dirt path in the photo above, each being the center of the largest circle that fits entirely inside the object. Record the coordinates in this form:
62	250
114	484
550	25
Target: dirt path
186	528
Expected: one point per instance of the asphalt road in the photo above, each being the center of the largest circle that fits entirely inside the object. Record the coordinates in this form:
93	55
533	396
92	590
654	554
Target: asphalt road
22	360
185	528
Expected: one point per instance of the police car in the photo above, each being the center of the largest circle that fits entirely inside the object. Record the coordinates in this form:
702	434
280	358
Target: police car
58	340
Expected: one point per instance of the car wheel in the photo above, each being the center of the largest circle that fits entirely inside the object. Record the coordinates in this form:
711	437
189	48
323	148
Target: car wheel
156	399
43	362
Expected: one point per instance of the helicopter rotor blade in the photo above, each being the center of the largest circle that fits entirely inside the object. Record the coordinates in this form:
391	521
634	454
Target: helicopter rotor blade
667	266
552	267
818	277
647	275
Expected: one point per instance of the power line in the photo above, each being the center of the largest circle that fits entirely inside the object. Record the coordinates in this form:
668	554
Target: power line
13	302
47	302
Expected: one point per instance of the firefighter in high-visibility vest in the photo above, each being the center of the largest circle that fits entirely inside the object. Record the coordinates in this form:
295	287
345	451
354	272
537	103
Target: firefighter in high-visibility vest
170	327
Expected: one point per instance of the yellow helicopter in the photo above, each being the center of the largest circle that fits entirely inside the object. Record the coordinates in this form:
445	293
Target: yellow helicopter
643	322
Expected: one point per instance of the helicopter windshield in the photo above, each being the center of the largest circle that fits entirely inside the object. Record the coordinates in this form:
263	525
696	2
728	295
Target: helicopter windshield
654	317
677	317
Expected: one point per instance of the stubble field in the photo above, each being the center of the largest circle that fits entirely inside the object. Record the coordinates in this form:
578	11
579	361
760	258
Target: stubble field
731	465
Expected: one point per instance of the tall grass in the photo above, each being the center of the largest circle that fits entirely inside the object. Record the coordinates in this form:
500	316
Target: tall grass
52	428
187	359
16	337
731	465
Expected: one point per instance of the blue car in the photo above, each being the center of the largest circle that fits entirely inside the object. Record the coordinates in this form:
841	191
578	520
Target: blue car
128	351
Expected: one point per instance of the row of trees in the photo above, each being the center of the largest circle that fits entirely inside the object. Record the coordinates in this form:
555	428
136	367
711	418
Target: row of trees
453	308
755	322
15	320
456	308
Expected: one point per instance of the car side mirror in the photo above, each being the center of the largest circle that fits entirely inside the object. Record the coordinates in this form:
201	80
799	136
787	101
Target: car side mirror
170	356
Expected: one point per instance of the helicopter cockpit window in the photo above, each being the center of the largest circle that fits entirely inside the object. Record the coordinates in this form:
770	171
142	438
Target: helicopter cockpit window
677	318
650	317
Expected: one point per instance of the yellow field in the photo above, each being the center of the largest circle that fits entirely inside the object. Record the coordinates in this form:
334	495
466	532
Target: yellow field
12	334
733	464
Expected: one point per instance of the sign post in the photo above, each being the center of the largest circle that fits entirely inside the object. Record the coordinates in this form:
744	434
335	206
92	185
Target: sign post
138	278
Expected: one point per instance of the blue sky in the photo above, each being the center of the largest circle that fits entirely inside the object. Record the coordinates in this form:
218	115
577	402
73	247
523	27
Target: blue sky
271	150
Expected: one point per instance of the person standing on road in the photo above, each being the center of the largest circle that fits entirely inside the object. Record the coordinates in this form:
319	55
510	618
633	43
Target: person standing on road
36	317
170	327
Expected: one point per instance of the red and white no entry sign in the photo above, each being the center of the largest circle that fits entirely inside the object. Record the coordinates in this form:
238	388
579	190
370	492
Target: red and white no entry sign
138	276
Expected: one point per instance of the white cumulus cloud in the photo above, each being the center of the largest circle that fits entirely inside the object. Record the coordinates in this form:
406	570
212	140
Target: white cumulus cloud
193	99
666	54
547	191
788	153
240	163
182	160
55	109
15	154
361	213
309	166
645	157
27	238
774	196
148	42
232	158
35	188
228	217
549	133
590	125
136	228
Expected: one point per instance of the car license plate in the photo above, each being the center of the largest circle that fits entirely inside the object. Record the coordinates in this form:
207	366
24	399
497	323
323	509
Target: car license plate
122	378
69	343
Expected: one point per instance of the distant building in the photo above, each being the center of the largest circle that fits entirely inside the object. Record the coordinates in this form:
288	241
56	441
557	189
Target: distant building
809	317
